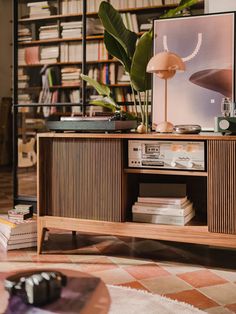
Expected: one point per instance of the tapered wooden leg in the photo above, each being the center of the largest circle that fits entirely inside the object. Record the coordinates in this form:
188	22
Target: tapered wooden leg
40	237
73	233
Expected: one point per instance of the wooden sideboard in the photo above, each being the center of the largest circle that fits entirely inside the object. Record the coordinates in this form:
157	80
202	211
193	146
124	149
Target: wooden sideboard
85	185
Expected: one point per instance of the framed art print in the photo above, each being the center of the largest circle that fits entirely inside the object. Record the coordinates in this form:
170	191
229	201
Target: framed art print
206	45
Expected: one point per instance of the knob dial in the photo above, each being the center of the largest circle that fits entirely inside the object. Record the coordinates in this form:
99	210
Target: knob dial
173	163
224	124
190	164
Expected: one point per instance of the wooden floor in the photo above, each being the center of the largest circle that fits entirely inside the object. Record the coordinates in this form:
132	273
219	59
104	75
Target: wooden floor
199	275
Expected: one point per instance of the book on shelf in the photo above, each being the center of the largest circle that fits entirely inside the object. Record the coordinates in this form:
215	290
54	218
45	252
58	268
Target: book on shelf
41	9
162	189
163	200
94	26
162	209
48	32
164	219
32	55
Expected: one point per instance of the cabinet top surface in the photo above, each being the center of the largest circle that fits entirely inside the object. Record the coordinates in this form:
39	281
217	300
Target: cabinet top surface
152	135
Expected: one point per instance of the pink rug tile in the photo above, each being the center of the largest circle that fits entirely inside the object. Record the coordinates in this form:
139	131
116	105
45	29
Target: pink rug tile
202	278
193	297
146	271
97	264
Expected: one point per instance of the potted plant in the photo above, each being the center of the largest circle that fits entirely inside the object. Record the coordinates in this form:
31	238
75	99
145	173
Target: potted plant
134	53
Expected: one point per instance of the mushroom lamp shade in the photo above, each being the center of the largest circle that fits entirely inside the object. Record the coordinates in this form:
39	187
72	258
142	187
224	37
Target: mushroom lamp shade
164	65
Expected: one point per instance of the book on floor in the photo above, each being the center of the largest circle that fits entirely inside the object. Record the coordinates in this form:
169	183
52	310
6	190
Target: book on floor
18	241
8	227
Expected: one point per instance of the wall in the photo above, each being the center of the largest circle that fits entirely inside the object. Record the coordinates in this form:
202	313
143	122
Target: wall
5	48
219	5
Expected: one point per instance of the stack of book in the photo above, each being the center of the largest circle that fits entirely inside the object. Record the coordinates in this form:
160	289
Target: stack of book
163	204
24	98
17	234
21	56
21	212
23	79
71	29
40	9
49	54
24	34
48	32
70	76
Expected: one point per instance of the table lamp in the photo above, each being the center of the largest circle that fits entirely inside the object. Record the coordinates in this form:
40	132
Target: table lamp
164	65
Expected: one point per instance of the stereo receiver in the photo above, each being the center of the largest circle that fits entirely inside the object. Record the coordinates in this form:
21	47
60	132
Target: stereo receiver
179	155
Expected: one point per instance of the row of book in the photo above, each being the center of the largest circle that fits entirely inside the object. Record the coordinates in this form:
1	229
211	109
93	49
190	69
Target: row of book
66	52
76	6
72	52
130	21
126	4
72	29
104	74
163	204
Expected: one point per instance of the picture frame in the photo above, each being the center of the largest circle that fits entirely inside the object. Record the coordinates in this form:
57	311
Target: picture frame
206	44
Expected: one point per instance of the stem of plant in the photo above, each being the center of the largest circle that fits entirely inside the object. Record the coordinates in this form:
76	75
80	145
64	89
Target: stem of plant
146	109
141	108
135	103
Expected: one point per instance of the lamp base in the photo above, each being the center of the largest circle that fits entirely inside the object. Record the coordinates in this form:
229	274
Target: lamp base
164	127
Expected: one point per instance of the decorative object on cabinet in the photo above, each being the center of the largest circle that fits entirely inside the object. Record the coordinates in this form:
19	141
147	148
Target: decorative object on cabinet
164	65
187	129
209	74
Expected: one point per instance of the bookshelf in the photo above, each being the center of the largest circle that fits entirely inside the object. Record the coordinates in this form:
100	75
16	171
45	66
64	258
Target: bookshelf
39	33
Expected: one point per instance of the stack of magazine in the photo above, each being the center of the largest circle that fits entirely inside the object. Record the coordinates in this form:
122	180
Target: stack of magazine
163	204
17	230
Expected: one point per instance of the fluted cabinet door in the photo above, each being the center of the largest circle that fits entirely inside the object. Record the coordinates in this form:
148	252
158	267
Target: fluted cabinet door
222	186
85	179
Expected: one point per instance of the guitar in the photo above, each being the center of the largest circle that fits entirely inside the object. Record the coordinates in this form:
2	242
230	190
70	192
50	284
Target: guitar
26	153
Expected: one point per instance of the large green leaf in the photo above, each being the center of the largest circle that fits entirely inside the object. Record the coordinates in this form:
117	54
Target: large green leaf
103	103
116	50
113	24
100	88
184	4
141	80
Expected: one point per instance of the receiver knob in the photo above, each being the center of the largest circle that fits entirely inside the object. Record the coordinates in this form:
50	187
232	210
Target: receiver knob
224	124
190	164
173	163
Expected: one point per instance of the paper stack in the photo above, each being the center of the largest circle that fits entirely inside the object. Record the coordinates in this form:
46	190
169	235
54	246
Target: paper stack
163	203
